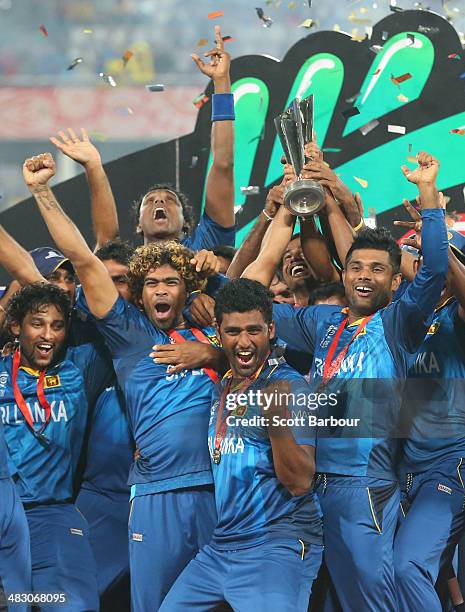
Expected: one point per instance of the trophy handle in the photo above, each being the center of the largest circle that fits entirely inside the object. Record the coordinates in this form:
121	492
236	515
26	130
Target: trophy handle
282	139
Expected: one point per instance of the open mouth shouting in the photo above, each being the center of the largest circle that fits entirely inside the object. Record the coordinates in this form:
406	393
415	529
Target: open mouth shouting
245	359
159	214
298	269
163	310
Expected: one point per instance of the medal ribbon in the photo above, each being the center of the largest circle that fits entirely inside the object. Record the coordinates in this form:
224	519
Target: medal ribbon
221	425
19	399
332	366
201	337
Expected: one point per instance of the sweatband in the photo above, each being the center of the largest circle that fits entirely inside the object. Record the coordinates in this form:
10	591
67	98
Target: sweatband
223	107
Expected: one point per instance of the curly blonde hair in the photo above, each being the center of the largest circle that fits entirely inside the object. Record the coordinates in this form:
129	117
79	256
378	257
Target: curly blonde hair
156	254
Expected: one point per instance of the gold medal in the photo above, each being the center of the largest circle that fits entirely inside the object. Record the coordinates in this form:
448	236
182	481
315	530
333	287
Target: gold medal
217	456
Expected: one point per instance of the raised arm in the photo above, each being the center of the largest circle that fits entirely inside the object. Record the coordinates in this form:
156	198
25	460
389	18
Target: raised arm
17	261
250	248
316	252
98	287
274	244
103	207
409	317
219	197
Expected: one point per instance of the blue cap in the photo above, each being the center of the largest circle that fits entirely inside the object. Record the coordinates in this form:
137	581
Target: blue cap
457	242
48	259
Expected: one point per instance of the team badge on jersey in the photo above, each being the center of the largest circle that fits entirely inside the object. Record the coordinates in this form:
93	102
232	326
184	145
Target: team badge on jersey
433	328
52	381
240	411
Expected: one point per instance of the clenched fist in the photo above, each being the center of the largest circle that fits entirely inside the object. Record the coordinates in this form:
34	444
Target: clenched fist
38	170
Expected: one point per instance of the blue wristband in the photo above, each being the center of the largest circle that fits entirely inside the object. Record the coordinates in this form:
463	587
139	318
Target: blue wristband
223	107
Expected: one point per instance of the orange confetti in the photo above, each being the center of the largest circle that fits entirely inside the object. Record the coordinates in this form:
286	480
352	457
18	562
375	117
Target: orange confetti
401	78
127	56
215	14
459	132
202	42
362	182
43	29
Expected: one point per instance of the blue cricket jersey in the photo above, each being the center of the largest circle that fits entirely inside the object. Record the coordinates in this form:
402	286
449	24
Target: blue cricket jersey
383	352
252	505
4	471
435	397
168	413
44	473
208	234
110	447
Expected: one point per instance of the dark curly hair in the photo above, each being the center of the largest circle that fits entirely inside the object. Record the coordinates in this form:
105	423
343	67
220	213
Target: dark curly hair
187	211
156	254
379	239
31	298
118	250
243	295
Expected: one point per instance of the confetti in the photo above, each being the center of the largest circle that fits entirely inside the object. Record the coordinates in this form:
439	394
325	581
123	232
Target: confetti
107	78
129	110
250	190
401	78
402	98
331	150
350	112
74	63
155	87
127	56
227	38
453	56
396	129
410	148
412	160
427	29
368	127
460	132
376	48
202	42
411	37
87	31
215	14
362	182
267	21
98	136
194	161
200	100
43	29
361	20
308	23
384	35
395	9
291	5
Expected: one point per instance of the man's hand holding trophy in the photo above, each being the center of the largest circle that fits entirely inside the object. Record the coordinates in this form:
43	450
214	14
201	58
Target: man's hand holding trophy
303	197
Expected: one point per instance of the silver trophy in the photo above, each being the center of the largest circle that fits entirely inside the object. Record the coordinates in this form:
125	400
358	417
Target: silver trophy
303	197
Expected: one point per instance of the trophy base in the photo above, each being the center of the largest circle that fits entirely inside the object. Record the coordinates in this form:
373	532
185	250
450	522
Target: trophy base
304	197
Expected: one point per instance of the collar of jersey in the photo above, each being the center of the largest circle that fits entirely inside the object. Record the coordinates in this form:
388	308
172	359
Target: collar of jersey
30	371
345	310
441	306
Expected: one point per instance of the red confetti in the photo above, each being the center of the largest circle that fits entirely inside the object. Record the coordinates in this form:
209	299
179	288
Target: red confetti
43	29
401	78
200	101
215	14
459	132
127	56
228	38
453	56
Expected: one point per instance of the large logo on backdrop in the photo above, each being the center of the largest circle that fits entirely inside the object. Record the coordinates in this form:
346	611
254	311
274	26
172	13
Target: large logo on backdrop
377	103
